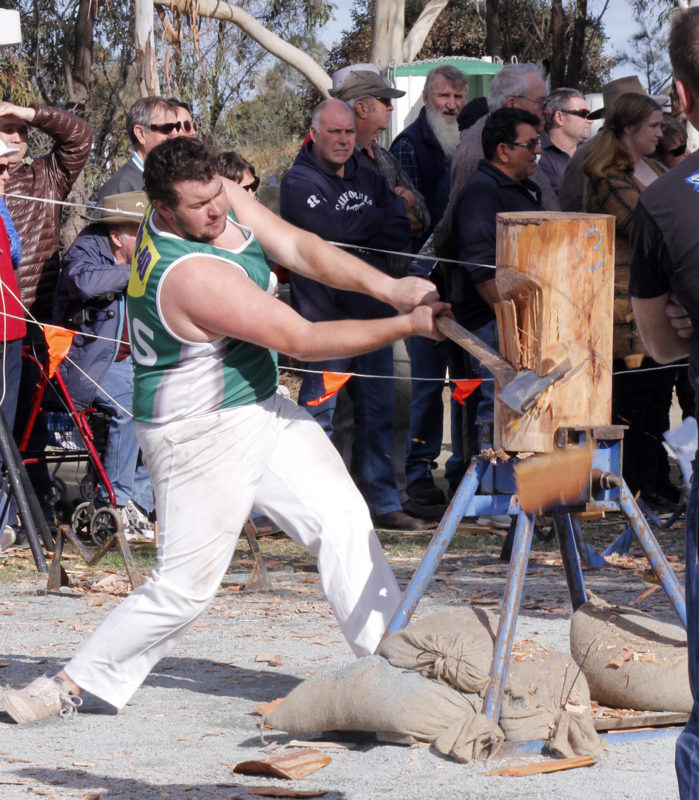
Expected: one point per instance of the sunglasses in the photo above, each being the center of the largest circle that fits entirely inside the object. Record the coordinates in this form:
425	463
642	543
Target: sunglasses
252	186
676	151
166	128
189	126
583	113
541	103
531	145
4	168
385	100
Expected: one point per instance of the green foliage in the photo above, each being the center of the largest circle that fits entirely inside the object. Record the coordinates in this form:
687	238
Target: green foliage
649	55
525	31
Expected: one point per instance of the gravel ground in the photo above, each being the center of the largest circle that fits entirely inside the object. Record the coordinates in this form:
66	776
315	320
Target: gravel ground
192	720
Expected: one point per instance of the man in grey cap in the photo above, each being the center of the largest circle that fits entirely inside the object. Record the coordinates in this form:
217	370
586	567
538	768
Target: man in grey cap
369	96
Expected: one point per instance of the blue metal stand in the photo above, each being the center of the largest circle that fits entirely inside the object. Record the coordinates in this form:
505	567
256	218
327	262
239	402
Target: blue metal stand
605	492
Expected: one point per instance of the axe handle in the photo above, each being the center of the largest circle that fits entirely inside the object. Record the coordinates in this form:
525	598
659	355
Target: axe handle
501	369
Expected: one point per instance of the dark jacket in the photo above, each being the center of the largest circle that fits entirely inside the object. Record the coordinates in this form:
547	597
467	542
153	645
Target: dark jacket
358	208
39	224
90	272
432	162
128	178
486	193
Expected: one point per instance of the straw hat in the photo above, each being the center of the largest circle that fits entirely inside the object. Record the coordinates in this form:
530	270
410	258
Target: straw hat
118	209
614	90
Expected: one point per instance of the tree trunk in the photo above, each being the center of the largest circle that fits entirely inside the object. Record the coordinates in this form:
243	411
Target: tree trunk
82	55
576	57
148	82
557	44
421	29
216	9
493	42
387	32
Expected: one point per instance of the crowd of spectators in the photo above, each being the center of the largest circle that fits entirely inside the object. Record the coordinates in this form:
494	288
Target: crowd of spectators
434	192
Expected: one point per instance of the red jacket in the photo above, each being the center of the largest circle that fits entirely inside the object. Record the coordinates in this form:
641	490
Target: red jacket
12	324
39	224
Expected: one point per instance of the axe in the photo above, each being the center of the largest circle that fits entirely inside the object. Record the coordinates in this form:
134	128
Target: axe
518	390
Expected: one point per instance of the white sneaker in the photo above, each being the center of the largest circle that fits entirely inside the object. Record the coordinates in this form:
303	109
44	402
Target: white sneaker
137	527
495	521
43	697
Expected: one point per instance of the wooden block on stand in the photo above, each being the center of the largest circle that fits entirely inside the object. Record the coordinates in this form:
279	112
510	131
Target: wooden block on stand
555	278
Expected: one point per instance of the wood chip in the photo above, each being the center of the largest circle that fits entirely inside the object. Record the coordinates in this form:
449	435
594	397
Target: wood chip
267	658
629	654
264	708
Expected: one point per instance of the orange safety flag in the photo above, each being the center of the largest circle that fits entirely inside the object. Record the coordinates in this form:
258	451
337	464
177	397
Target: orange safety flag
333	382
59	341
464	388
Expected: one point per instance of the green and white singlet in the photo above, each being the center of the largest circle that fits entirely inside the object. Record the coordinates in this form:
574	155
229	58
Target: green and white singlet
174	378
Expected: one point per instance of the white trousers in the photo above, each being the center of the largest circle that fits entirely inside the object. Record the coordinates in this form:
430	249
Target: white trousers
208	473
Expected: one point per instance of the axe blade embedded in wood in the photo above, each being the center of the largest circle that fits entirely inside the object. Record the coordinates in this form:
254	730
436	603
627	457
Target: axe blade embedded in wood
518	390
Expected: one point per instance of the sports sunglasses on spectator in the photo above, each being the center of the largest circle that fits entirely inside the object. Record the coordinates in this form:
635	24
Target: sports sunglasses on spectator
166	128
583	113
5	167
531	145
676	151
252	186
189	126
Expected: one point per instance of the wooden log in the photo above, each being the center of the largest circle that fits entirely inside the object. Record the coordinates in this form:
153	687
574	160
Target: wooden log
555	278
539	767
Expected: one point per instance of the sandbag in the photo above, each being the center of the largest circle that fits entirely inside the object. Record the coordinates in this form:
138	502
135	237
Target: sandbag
630	659
453	647
546	696
398	705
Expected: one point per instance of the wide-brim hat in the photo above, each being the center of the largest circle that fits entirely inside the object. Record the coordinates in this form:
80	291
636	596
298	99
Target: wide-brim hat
363	82
120	209
614	89
6	150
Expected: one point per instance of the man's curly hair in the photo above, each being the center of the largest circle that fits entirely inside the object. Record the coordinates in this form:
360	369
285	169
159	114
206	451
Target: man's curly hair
175	160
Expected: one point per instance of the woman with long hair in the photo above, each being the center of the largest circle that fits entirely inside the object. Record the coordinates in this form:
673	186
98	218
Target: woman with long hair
618	167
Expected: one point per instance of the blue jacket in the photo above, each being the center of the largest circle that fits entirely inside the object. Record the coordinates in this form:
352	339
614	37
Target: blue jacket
89	271
357	208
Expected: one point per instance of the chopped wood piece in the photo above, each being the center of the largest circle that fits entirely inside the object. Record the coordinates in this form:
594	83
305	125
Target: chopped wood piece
292	765
535	768
265	708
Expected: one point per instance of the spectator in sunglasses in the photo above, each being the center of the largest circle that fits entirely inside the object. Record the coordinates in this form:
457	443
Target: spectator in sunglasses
566	127
188	127
234	166
149	122
672	148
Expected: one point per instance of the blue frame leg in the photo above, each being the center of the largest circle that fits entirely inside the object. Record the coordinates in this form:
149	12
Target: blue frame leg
517	571
654	554
437	546
565	534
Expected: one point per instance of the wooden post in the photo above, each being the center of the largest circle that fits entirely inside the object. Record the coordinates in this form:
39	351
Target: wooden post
555	278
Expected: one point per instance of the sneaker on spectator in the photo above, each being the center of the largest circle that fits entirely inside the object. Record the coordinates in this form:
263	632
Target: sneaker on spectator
43	697
495	521
137	527
425	492
8	538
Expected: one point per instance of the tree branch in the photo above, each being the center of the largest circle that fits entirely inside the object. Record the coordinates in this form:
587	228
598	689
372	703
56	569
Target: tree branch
218	9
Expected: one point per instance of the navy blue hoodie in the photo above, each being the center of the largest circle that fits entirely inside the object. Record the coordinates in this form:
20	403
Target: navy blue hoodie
357	208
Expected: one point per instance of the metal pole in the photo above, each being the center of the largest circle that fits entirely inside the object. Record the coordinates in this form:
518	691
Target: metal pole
24	493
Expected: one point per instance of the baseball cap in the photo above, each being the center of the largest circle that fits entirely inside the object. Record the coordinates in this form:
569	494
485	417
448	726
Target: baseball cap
362	82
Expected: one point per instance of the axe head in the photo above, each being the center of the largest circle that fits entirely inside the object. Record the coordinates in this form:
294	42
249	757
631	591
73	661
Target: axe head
526	387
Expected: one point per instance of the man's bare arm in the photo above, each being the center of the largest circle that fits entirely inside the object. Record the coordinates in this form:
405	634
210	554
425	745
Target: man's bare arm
664	341
203	298
307	254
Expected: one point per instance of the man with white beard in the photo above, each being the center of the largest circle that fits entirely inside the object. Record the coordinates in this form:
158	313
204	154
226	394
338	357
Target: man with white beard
426	147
